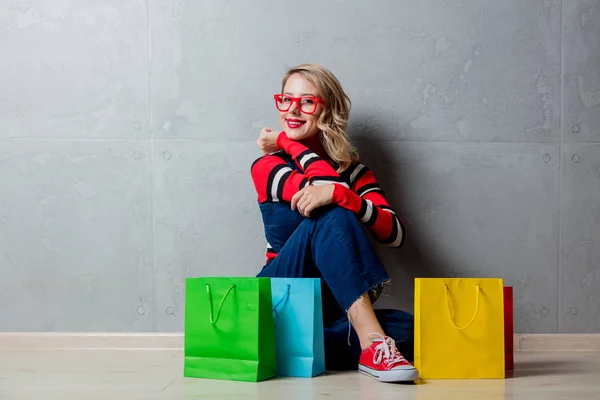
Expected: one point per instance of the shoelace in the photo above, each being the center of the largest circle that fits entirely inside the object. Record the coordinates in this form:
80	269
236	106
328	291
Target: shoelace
386	350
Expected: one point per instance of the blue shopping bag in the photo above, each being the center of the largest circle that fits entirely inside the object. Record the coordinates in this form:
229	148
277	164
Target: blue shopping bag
298	315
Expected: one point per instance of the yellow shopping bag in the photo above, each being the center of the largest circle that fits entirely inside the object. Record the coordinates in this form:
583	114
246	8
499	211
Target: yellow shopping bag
459	328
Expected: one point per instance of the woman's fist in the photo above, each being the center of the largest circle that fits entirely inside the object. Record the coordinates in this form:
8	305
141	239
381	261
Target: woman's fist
267	140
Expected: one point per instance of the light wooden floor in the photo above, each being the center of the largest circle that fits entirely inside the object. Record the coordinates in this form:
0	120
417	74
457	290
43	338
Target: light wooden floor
104	373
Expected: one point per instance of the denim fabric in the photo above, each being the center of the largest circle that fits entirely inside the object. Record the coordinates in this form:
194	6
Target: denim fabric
330	245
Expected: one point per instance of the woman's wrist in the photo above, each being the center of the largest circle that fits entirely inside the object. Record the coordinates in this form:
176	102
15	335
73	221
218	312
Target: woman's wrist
346	198
282	139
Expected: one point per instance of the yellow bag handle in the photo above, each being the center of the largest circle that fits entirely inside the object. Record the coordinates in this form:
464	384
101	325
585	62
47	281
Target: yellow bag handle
210	303
478	289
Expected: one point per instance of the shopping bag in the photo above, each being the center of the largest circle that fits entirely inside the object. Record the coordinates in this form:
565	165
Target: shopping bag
228	330
509	363
298	315
459	328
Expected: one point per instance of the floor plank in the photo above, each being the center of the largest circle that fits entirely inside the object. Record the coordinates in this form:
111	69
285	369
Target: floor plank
157	374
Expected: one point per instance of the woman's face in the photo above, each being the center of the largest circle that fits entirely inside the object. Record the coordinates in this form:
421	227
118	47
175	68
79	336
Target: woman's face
296	124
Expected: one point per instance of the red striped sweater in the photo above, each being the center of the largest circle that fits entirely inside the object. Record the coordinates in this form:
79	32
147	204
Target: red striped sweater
356	189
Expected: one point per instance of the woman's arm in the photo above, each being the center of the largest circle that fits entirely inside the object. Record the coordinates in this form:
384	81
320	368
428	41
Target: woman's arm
318	171
274	180
367	200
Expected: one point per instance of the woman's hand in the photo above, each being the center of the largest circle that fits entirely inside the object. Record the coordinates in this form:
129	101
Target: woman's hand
312	197
267	140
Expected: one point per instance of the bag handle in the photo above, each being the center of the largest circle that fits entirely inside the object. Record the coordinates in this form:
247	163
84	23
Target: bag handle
283	299
478	290
213	321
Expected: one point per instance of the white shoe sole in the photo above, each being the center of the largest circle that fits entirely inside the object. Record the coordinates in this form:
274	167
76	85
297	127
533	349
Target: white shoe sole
407	374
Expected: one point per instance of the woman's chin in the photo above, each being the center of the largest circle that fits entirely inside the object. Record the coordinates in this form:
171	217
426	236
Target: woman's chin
295	135
299	135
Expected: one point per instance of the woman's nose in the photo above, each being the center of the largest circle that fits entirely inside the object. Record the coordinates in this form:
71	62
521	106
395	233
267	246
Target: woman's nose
294	109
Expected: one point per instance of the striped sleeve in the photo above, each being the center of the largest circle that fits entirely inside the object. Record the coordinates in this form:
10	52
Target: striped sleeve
367	200
274	180
317	170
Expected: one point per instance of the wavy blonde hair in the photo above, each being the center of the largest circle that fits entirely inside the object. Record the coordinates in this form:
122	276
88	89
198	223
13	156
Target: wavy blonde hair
333	121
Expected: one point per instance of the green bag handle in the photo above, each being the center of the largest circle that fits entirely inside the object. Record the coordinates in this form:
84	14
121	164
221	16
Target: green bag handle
210	303
284	298
478	290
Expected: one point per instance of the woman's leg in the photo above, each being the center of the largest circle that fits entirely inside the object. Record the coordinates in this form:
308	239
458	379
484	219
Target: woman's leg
332	245
294	259
362	317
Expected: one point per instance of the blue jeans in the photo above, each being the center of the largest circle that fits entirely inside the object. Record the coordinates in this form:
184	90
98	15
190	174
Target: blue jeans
332	245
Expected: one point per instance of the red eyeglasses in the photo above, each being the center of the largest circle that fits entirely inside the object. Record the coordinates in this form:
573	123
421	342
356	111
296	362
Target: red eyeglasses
306	104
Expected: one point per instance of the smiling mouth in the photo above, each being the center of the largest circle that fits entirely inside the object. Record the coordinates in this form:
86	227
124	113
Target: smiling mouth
294	124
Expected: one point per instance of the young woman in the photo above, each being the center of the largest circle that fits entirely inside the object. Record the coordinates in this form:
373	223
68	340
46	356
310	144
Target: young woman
314	195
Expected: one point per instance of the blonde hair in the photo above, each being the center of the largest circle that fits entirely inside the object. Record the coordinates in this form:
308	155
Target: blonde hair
333	121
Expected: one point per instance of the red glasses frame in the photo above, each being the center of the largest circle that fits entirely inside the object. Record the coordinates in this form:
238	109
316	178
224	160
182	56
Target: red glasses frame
279	98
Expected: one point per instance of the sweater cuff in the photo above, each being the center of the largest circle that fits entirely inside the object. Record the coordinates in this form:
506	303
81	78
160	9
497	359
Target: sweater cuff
282	140
346	198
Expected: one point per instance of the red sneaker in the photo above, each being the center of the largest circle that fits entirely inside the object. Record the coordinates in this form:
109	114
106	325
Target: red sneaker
384	362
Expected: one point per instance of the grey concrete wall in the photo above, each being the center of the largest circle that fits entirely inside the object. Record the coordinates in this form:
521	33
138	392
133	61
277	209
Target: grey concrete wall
127	130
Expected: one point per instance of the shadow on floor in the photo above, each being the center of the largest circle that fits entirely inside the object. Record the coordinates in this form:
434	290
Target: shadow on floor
547	368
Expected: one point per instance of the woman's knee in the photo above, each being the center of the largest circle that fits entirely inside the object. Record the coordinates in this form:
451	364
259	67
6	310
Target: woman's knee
339	215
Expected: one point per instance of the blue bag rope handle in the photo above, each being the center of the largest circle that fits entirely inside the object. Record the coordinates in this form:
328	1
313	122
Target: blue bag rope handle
284	298
210	303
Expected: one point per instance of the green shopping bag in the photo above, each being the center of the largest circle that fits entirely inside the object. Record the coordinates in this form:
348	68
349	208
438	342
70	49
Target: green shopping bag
229	329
